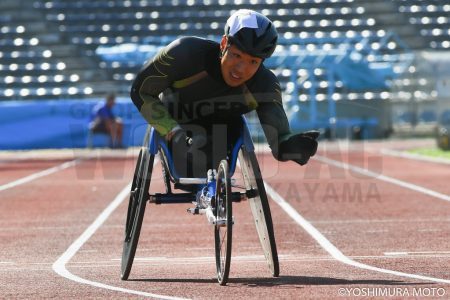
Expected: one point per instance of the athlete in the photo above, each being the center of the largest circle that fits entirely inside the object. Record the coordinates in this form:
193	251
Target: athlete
196	90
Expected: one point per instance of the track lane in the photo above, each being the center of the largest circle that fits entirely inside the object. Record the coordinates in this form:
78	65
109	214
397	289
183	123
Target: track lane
41	218
157	257
350	219
335	252
20	173
177	250
427	174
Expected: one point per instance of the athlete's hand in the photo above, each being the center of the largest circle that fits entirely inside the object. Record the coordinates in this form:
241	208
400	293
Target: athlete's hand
299	147
177	137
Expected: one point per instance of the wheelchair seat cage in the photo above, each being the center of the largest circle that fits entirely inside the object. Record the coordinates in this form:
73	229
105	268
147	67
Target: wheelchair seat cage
212	196
156	142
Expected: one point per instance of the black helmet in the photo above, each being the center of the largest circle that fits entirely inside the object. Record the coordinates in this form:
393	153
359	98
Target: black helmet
252	32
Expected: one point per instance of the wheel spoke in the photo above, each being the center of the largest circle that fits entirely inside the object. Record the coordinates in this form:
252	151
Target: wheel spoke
223	238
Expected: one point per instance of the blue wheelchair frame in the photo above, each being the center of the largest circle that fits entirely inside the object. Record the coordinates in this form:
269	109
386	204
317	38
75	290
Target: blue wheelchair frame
156	142
254	192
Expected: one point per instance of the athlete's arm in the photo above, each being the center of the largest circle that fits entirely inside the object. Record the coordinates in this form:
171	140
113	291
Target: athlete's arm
271	114
156	76
284	144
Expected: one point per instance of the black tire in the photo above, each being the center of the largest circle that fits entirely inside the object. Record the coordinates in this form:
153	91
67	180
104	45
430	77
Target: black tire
136	208
165	172
260	208
223	233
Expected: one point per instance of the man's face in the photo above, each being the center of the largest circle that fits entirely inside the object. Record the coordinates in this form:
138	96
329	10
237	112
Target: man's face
110	102
237	66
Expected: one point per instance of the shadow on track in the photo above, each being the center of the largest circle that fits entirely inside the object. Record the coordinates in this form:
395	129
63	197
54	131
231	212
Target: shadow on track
304	280
285	280
174	280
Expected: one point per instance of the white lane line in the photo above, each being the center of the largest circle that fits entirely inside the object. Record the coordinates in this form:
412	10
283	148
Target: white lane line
360	221
60	265
415	156
419	253
368	173
116	263
395	253
39	174
330	248
164	259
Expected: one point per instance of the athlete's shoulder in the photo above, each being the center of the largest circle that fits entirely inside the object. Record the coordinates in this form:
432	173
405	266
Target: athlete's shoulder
184	55
191	45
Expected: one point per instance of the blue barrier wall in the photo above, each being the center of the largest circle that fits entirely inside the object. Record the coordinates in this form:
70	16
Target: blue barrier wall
61	124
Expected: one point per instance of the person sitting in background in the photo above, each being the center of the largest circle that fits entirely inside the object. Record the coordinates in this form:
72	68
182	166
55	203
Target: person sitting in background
104	121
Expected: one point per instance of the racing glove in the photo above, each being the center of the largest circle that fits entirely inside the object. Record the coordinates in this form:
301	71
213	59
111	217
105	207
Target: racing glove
177	138
299	147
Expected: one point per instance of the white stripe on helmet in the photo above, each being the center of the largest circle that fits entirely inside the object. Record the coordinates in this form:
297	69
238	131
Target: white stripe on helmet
243	18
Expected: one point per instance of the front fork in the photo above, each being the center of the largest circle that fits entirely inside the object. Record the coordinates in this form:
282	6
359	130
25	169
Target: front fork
206	200
206	193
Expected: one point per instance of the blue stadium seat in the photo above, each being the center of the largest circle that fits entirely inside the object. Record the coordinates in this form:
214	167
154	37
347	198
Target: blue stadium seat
428	116
444	118
318	26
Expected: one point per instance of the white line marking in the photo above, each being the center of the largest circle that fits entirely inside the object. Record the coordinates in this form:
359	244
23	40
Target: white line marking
115	264
419	253
395	253
202	248
329	247
429	252
377	231
39	174
150	262
415	156
404	184
380	221
60	265
194	259
429	230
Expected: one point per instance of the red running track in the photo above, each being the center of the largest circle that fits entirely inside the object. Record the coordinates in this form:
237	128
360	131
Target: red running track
361	223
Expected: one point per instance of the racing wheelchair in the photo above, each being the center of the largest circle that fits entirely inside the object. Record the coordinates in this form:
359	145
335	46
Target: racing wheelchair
213	196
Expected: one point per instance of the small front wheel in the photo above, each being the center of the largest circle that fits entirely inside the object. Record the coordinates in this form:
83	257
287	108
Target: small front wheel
223	230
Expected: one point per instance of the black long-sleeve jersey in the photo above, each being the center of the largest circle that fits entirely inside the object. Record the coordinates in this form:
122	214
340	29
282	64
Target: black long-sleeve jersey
183	84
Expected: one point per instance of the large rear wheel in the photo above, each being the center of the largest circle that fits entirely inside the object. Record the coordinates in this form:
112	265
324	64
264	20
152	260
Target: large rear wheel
260	208
136	207
223	230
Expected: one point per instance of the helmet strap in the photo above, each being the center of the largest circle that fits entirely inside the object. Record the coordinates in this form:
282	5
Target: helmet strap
224	50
